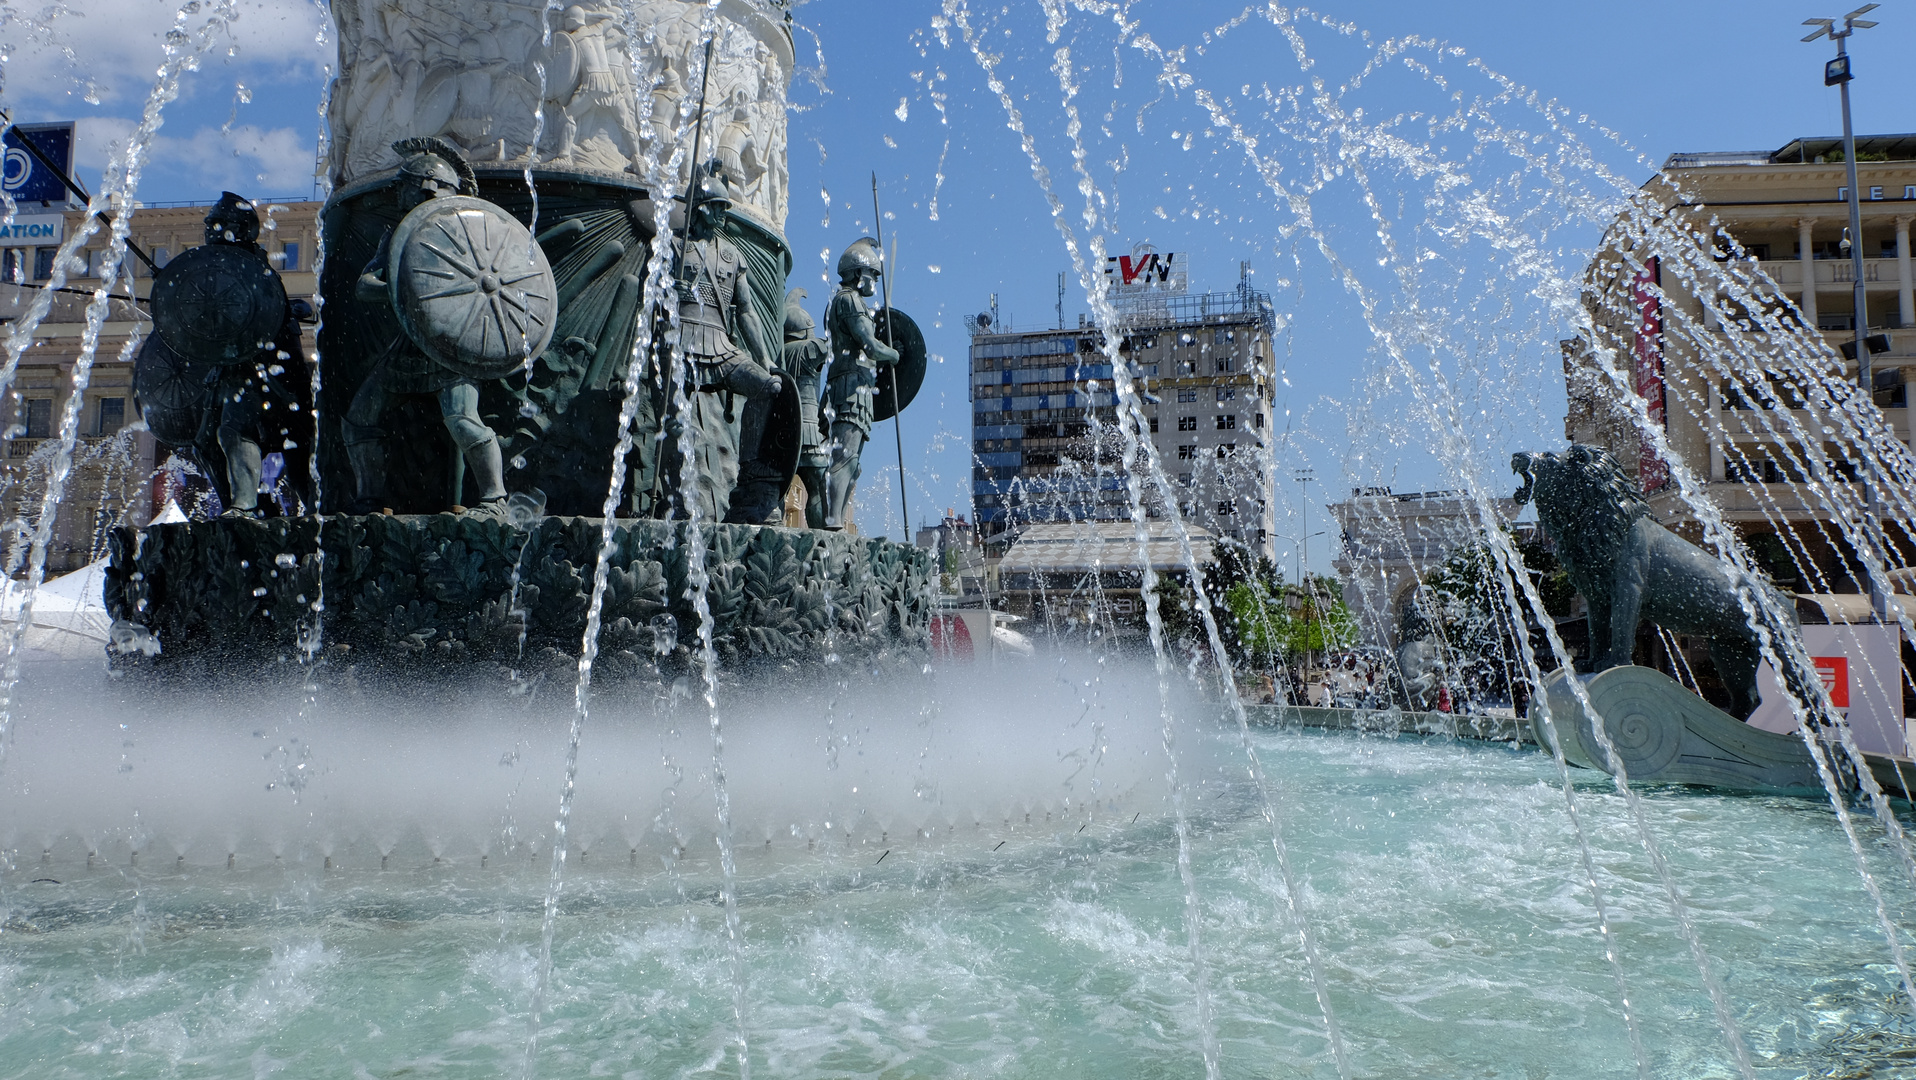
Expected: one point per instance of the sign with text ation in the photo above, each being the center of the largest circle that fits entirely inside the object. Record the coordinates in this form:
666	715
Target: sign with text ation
34	230
24	176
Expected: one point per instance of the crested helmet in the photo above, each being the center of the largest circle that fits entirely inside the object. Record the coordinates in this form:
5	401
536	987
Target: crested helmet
863	254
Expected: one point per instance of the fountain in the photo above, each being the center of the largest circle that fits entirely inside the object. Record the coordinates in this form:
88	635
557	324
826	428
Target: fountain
788	835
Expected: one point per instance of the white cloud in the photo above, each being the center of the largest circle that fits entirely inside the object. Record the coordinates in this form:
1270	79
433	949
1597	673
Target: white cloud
256	162
105	52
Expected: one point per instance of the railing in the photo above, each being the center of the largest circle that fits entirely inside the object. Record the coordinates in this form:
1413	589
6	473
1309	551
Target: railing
1832	271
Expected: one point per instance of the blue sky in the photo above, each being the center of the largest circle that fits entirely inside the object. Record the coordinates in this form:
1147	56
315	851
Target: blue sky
1636	81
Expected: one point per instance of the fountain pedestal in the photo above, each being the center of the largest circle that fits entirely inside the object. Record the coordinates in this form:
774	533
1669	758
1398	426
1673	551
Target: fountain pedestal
411	594
1666	734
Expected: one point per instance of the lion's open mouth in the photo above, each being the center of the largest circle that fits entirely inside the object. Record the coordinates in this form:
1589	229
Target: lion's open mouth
1520	464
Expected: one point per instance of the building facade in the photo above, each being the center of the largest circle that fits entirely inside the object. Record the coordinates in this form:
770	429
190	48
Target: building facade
119	473
1044	419
1390	540
1785	212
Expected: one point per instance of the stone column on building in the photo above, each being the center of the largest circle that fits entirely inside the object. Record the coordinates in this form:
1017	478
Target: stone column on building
1905	289
1806	257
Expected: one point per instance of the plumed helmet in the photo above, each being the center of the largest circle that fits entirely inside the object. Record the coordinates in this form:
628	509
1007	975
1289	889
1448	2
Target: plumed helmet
232	220
436	159
862	255
798	322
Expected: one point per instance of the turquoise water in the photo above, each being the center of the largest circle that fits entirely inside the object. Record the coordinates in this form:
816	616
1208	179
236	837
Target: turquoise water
937	935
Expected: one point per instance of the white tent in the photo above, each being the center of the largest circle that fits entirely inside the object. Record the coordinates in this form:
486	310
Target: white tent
70	620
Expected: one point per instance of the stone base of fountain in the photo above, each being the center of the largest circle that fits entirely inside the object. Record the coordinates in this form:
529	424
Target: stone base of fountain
1666	734
407	594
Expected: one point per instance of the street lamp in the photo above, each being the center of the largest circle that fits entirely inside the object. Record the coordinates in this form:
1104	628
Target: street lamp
1303	477
1837	73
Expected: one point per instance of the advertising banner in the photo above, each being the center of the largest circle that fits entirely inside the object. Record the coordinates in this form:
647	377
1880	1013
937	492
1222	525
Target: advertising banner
23	176
1652	471
1861	668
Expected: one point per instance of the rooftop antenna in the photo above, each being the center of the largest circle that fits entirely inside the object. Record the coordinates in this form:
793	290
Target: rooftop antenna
898	402
1837	73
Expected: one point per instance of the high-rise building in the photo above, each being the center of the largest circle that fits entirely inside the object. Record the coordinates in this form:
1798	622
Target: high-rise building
1045	439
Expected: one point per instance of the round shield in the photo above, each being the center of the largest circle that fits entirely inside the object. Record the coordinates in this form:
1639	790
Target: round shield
899	384
171	391
783	438
219	304
472	288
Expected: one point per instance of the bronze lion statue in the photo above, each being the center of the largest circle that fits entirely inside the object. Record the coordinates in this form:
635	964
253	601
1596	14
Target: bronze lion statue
1631	569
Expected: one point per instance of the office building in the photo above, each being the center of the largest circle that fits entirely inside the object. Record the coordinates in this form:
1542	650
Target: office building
1044	419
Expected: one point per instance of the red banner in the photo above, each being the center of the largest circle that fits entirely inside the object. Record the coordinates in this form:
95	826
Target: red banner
1652	471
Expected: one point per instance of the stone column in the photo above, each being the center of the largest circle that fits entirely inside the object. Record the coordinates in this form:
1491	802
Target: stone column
1905	289
1806	258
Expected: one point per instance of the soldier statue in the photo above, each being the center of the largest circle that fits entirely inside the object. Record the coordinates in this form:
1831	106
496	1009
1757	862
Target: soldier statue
266	403
466	313
804	359
857	353
227	367
728	388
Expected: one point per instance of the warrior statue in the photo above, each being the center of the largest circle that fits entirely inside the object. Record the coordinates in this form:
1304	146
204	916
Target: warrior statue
227	327
856	354
804	359
728	388
474	296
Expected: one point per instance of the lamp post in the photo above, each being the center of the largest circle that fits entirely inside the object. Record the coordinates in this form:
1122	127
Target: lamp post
1303	476
1837	73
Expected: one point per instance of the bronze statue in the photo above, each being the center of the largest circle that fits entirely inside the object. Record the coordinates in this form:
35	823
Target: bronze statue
728	388
1631	569
222	309
857	353
474	297
804	359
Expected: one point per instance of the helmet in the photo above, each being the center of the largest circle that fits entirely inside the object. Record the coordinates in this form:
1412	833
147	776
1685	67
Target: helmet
862	255
232	220
434	159
798	322
713	192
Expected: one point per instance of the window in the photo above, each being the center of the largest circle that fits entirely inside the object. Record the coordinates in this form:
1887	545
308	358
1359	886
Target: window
1257	420
1227	393
1187	338
1187	423
13	265
39	418
1226	365
95	262
43	263
1187	394
1226	508
290	254
1228	449
161	256
1187	452
1226	337
1226	422
1154	425
111	416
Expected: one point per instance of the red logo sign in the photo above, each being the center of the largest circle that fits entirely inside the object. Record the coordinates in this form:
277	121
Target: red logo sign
1834	671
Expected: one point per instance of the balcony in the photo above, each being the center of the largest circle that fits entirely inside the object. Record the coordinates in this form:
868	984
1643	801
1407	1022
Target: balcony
1881	273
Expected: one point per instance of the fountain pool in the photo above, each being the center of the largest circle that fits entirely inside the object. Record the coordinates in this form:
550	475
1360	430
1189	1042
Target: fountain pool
957	918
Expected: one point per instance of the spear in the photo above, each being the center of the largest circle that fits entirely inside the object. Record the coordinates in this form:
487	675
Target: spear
897	401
